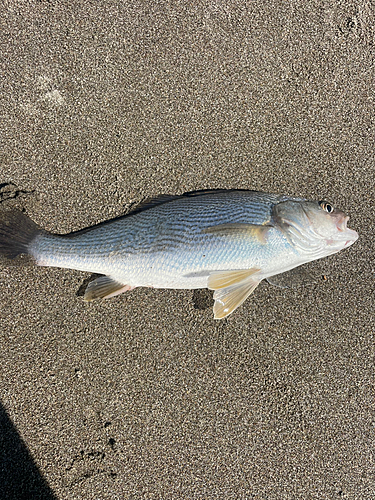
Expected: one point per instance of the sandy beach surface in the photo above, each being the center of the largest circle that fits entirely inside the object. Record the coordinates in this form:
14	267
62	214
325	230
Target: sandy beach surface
145	396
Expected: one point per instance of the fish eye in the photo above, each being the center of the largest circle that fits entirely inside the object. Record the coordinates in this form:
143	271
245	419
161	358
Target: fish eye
326	206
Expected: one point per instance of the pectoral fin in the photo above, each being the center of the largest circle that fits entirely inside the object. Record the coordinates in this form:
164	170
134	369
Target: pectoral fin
231	230
231	289
104	288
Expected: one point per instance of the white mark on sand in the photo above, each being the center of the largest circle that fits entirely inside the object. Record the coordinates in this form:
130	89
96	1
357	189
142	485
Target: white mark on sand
54	97
44	91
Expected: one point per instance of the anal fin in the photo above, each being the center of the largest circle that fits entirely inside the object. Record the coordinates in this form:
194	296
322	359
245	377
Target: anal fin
104	287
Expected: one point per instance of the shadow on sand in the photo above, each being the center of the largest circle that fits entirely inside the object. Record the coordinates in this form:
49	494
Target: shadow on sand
20	478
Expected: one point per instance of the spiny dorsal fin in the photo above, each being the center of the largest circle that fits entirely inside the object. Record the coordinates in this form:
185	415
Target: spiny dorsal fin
165	198
255	231
153	202
203	192
104	288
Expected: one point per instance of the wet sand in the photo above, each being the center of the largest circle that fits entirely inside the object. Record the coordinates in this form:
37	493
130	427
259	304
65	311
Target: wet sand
145	395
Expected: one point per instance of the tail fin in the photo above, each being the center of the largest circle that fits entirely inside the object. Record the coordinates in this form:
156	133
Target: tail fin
17	231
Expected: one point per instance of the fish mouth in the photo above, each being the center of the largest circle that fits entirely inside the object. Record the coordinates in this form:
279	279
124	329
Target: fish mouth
349	234
342	223
344	236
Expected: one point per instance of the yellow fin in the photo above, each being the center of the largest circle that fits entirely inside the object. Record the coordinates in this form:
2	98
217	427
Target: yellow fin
229	298
229	230
104	288
223	279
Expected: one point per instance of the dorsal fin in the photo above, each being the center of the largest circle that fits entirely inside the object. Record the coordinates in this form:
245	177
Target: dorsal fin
153	202
203	192
166	198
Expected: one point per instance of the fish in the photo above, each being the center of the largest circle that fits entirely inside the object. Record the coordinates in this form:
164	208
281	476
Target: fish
225	240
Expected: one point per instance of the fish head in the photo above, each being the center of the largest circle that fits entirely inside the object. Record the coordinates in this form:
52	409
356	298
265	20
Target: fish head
314	227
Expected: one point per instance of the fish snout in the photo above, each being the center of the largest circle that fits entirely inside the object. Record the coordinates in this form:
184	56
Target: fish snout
342	225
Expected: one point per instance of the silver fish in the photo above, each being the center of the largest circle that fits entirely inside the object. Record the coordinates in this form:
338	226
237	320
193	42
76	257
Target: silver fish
224	240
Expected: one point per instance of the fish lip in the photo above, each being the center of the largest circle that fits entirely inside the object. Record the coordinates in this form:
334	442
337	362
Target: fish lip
342	223
354	235
350	235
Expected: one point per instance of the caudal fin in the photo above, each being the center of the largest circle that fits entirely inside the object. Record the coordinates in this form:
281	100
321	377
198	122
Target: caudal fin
17	231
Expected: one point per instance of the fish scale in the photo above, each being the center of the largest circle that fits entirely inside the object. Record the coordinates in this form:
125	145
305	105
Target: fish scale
225	240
